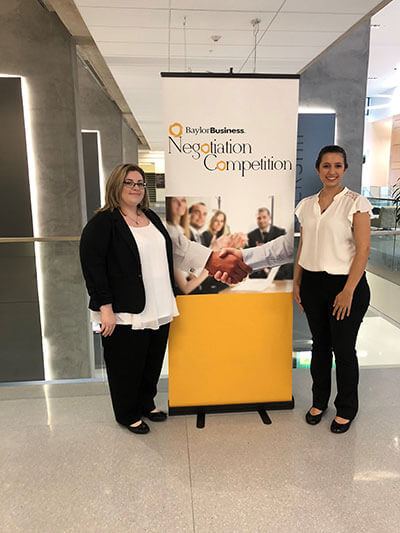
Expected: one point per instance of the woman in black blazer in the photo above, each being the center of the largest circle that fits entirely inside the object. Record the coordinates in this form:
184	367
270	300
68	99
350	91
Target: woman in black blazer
126	256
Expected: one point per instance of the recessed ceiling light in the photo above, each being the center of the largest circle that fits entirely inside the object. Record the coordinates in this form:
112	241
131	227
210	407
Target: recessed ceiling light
216	38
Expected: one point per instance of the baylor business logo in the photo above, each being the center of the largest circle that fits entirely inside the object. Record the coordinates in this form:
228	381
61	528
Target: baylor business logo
176	130
208	152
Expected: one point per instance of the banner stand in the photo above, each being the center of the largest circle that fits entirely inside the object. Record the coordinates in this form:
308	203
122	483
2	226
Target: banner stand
230	147
202	410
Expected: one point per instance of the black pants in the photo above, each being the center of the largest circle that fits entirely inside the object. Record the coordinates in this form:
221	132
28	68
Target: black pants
317	292
134	360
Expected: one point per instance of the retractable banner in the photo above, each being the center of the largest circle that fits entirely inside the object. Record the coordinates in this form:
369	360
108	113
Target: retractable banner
230	160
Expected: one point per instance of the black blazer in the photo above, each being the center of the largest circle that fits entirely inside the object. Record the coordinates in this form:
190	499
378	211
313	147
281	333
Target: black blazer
111	263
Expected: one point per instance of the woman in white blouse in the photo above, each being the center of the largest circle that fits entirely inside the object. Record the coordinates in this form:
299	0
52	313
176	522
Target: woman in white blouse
330	284
126	256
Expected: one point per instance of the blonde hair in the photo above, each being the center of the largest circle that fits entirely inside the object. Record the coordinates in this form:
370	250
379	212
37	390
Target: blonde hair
213	219
183	221
115	184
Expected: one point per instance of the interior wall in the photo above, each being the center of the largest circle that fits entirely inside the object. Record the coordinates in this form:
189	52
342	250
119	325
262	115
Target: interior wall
129	144
377	153
62	98
394	171
14	177
98	112
36	45
91	162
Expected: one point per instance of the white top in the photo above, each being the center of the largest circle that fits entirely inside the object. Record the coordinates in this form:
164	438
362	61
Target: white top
160	307
328	241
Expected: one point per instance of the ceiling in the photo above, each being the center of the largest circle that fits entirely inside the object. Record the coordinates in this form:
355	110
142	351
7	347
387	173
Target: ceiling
141	38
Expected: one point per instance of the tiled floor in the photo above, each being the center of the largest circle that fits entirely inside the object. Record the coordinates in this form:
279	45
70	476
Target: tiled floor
67	466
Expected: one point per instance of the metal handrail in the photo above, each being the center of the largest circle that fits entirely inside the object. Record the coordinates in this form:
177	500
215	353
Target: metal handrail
373	232
385	232
395	200
38	239
77	238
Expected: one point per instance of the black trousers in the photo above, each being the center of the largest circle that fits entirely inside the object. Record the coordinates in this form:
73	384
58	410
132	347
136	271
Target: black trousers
317	292
134	360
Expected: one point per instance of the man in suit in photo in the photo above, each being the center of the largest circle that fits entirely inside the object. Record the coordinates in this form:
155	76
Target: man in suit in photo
266	232
198	215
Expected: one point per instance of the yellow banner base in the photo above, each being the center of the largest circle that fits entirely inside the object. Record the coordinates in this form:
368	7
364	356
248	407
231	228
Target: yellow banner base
232	352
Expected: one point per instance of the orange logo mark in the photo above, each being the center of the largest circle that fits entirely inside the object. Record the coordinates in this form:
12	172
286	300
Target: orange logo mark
205	148
176	129
221	165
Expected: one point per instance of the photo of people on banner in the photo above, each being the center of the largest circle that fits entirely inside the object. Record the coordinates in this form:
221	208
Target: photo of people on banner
203	220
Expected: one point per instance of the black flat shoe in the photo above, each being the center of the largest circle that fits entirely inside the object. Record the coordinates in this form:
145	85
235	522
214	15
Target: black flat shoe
313	420
142	429
340	428
158	416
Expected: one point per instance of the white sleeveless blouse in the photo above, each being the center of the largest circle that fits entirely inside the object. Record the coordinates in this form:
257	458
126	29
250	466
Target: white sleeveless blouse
328	241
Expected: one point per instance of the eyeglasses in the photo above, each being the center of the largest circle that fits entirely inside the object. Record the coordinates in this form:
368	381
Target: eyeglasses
131	184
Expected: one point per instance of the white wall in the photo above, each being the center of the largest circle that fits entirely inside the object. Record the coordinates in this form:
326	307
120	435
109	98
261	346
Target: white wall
377	151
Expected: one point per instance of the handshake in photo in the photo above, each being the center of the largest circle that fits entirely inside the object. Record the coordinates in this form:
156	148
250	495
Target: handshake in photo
227	266
231	265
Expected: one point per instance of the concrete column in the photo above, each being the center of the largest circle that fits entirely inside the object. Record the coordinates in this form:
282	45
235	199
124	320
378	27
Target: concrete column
98	112
129	144
338	81
36	45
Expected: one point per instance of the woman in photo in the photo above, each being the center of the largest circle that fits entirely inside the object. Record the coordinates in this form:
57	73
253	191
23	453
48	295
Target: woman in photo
330	284
177	217
216	228
126	256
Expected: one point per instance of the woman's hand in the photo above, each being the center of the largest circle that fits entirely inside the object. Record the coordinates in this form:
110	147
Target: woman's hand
238	240
108	320
234	240
342	304
296	295
221	242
